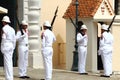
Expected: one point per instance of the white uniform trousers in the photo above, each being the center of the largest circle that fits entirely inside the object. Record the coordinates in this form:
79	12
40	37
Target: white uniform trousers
107	62
47	58
8	63
22	59
82	53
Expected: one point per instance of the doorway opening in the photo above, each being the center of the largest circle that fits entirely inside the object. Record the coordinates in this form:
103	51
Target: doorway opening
99	60
11	6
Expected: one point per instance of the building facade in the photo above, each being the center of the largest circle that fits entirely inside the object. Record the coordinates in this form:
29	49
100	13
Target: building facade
91	12
59	28
30	11
37	11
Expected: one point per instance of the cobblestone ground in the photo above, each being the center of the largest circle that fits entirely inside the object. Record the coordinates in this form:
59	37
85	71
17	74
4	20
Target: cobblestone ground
37	74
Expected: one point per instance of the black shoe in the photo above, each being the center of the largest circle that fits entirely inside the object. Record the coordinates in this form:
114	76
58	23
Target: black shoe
83	73
26	76
22	77
42	79
104	76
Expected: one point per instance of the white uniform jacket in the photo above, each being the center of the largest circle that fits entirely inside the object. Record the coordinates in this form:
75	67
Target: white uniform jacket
82	40
48	39
106	43
82	52
8	36
22	39
7	47
22	52
47	51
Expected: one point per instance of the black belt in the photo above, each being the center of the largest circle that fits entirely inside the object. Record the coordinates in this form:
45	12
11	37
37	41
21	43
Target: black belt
84	45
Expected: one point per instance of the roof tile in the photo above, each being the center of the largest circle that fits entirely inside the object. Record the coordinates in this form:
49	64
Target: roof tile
86	8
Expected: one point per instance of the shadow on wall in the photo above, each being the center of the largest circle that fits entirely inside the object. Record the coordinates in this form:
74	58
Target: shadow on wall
59	56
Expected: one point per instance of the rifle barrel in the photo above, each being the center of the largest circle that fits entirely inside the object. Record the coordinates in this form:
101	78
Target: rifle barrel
19	25
111	23
72	21
54	16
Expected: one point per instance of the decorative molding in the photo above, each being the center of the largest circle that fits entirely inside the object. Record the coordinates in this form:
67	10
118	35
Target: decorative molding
34	33
33	17
109	7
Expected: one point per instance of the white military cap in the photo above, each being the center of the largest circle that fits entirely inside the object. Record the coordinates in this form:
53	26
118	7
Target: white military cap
83	27
46	23
104	27
24	22
6	19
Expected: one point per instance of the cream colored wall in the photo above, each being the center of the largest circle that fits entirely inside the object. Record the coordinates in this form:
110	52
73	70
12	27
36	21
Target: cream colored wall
116	49
59	28
47	13
112	3
91	63
65	33
103	16
70	42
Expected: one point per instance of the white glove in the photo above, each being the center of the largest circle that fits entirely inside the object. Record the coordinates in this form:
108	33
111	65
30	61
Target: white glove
99	52
23	36
85	35
3	36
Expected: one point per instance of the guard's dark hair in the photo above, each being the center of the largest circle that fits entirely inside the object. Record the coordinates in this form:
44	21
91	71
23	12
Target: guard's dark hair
80	23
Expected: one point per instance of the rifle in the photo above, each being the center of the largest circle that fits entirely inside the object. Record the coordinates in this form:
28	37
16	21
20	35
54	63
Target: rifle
19	25
54	17
111	23
76	26
73	22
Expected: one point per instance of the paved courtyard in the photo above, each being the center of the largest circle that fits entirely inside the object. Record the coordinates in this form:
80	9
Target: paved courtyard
37	74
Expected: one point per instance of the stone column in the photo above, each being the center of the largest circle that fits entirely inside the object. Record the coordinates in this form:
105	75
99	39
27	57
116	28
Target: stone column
35	57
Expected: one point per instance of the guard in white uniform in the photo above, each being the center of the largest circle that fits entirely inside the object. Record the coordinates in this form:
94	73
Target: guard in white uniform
7	47
47	51
105	50
82	40
23	50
